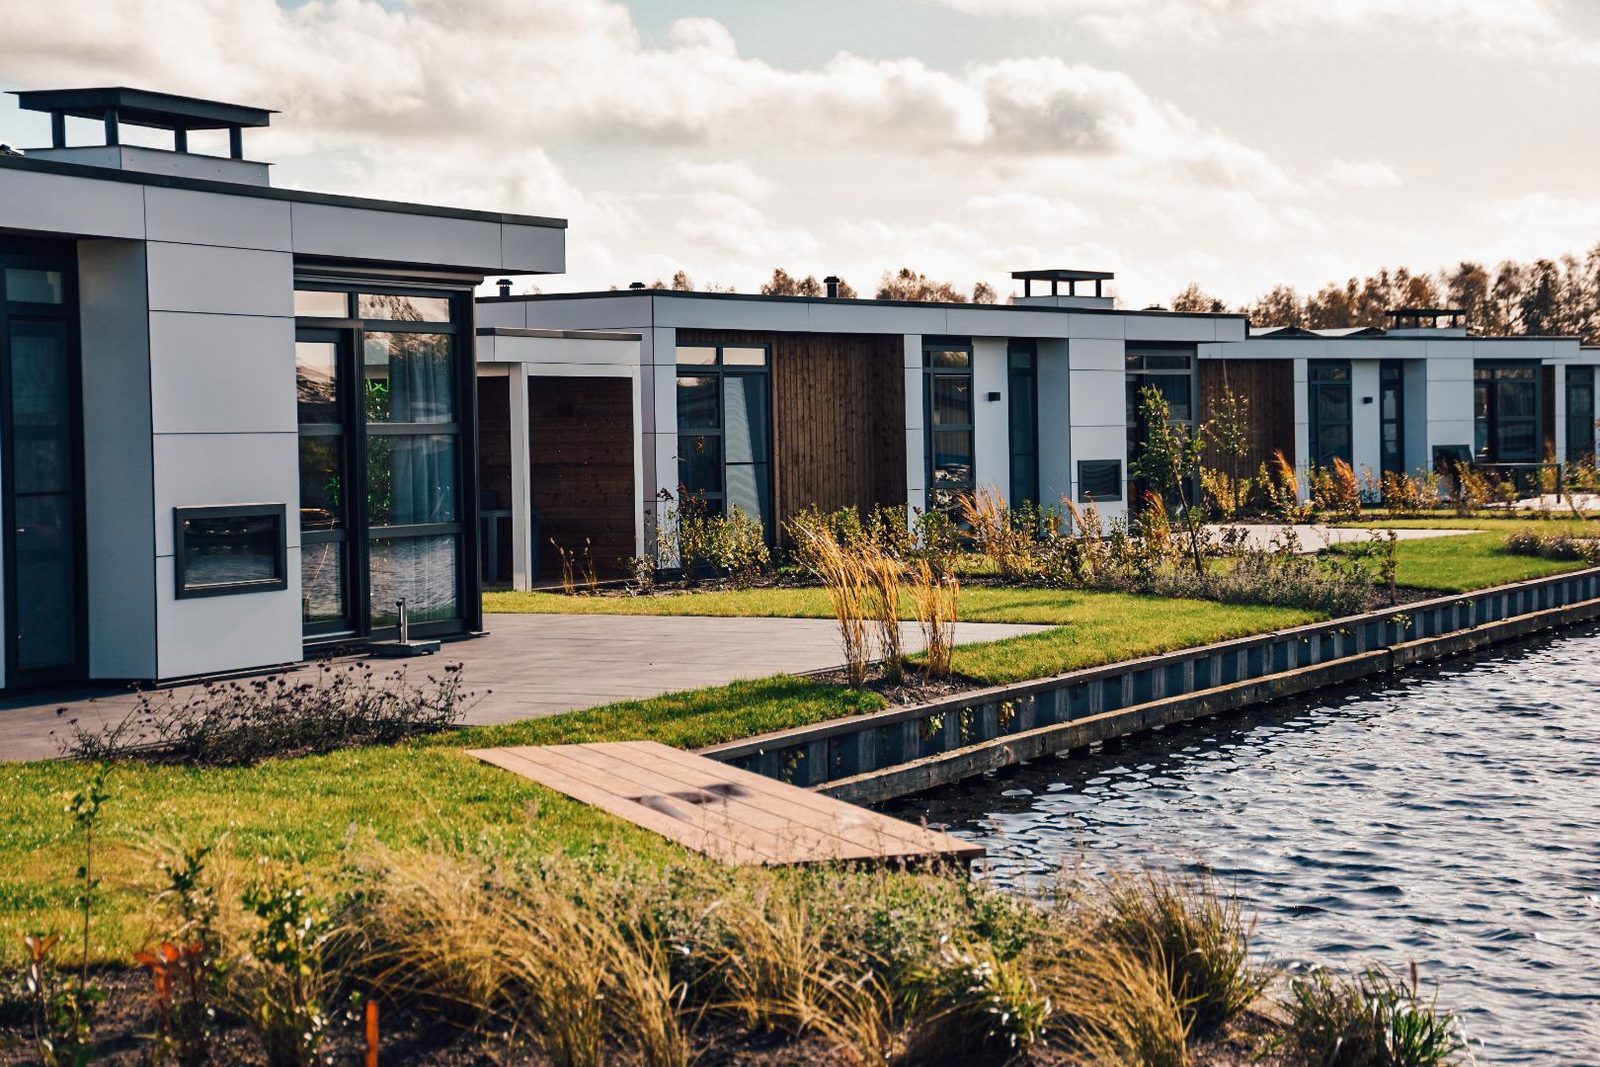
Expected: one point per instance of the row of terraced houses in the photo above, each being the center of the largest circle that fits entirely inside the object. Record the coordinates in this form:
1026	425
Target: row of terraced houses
241	423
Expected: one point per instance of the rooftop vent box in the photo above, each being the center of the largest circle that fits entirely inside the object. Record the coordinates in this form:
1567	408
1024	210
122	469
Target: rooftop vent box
117	107
1064	288
1427	322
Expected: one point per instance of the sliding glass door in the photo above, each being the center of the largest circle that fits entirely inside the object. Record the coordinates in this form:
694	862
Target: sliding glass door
41	413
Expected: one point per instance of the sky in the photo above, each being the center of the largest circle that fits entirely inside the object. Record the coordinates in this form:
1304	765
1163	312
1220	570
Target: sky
1233	143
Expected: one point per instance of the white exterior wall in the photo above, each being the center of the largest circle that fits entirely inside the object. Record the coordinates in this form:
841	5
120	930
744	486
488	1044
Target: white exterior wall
1366	429
1096	403
1419	454
991	419
916	442
1449	402
1302	426
1055	424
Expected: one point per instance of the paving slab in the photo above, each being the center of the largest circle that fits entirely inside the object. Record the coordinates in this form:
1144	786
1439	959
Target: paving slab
1315	538
537	665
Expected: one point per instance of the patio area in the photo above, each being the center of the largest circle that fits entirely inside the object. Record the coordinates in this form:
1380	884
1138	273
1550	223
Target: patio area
535	665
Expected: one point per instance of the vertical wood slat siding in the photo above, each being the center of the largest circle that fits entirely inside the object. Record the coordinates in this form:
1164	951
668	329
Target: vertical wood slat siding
1269	386
838	417
580	451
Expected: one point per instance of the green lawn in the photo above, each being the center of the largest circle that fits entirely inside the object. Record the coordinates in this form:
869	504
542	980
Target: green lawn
1471	561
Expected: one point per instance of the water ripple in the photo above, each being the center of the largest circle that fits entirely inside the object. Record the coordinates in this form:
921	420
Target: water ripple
1447	817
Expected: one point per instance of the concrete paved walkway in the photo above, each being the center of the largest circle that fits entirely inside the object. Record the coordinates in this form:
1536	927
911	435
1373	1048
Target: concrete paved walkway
1315	538
537	665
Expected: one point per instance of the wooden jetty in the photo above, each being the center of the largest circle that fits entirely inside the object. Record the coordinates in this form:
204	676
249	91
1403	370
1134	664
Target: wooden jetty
729	814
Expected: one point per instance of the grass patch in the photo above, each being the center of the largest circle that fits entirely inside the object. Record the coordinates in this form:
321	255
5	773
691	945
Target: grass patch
1471	561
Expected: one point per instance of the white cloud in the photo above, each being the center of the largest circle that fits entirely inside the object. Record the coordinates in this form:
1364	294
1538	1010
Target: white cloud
1496	23
1369	174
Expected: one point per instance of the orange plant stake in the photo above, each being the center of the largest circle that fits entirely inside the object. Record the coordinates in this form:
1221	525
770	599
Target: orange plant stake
372	1033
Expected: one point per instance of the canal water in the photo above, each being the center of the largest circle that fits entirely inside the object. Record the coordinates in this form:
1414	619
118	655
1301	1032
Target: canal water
1449	817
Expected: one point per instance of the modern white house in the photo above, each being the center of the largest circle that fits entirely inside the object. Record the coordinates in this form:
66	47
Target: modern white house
1416	395
238	420
772	404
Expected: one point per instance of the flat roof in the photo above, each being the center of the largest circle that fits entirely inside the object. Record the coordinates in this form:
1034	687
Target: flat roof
1063	275
564	335
268	192
762	297
141	107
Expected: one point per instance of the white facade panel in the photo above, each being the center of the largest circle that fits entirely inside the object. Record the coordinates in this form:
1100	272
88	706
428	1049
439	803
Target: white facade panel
227	281
221	373
991	425
202	469
1366	438
56	204
189	217
526	249
119	526
620	312
1175	328
395	236
209	635
1055	431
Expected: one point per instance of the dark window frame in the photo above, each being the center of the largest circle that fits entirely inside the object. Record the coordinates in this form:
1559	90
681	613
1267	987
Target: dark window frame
181	516
1391	377
719	371
1323	377
1115	473
1580	428
359	534
1489	380
33	254
1023	417
1137	374
931	373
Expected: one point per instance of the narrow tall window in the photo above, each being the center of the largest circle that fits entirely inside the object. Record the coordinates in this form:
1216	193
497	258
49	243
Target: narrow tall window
1392	415
1329	407
1580	414
947	378
1023	411
1168	369
725	429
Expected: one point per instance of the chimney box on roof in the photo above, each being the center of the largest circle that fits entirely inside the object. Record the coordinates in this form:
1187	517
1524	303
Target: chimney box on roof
1451	322
115	107
832	282
1072	279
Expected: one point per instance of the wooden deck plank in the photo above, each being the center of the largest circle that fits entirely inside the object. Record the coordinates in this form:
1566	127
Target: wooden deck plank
732	815
856	827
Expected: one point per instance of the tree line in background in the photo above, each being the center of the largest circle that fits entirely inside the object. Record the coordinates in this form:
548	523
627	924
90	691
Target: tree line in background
1545	297
1542	298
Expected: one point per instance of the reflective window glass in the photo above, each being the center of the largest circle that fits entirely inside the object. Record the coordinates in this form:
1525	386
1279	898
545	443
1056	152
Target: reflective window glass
744	429
400	307
697	404
952	400
700	464
411	479
317	304
316	369
410	377
28	286
322	483
697	355
948	357
743	356
422	570
322	582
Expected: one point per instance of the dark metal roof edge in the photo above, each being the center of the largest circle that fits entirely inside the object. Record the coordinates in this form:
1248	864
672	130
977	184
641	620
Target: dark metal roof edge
1386	336
72	101
576	335
268	192
678	293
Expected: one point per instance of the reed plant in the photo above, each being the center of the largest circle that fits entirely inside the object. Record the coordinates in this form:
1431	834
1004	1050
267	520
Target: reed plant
936	597
1007	537
884	574
849	584
1373	1019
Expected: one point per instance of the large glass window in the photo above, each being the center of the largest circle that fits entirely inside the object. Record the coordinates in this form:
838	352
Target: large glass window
1580	414
725	429
1506	402
1023	412
1329	407
384	479
947	372
1168	369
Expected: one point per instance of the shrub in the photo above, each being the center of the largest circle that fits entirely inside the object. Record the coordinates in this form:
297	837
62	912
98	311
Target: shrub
1370	1020
1007	537
244	722
282	986
1404	494
186	970
1569	546
1228	494
974	1005
1279	490
1336	491
1471	491
1112	1005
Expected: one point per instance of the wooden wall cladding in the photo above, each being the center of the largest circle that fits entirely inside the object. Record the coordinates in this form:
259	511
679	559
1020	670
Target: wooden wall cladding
838	417
580	444
1269	385
494	454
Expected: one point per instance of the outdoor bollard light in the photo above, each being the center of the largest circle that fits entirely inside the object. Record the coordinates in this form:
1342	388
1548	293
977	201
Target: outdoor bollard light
405	627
